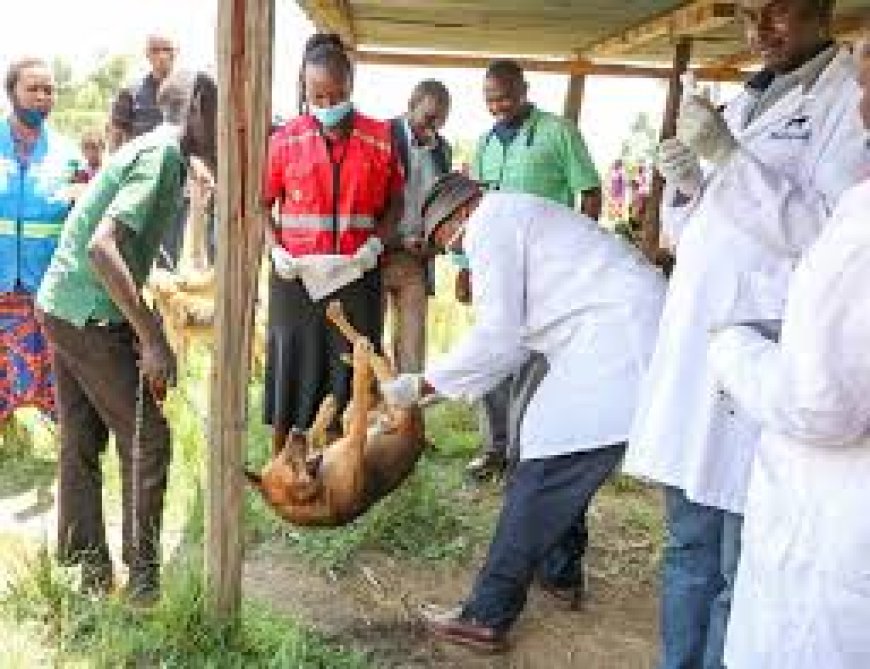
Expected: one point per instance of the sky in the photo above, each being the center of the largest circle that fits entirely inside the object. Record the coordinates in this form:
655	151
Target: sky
81	31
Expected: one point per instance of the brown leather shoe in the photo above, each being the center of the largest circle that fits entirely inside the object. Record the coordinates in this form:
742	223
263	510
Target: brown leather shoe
451	627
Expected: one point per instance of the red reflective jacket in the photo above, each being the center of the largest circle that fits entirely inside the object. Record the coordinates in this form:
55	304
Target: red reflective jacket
330	196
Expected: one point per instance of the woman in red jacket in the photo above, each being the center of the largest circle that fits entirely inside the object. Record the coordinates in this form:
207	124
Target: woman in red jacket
335	181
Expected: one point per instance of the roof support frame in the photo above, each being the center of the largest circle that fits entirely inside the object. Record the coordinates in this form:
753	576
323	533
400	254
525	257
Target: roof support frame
572	67
692	20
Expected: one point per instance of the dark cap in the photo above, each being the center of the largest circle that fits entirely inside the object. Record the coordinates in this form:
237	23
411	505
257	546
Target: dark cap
446	195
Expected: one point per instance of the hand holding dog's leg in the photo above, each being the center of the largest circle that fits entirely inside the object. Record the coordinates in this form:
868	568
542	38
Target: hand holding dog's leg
383	370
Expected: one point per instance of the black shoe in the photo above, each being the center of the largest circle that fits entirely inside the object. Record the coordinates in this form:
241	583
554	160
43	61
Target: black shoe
491	464
143	587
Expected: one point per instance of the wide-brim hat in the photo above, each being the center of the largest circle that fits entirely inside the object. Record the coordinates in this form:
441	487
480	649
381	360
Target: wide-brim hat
446	195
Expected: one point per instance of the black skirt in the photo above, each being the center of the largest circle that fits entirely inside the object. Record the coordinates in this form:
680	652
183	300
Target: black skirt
303	349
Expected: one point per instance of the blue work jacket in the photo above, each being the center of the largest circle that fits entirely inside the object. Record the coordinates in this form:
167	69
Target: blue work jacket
33	206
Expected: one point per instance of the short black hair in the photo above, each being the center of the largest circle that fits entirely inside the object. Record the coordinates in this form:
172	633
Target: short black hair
13	74
205	94
822	8
506	70
429	88
324	50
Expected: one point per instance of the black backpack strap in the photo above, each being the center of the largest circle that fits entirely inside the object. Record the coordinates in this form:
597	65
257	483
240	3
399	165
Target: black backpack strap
441	155
400	141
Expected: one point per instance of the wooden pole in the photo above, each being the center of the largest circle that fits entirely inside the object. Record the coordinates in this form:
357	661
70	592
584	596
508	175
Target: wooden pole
244	39
651	224
574	98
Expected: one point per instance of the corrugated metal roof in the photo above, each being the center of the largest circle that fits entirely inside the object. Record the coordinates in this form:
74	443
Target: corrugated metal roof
538	28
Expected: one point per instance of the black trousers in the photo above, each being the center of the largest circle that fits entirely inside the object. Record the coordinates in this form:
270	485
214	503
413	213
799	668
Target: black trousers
97	380
303	349
501	414
543	502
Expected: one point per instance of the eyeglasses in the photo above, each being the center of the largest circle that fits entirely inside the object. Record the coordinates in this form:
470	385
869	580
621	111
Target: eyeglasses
161	49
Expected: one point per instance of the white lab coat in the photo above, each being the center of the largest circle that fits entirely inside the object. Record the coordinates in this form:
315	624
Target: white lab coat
737	247
802	595
550	280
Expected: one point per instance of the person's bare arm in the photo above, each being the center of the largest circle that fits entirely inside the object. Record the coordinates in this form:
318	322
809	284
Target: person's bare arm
590	203
104	251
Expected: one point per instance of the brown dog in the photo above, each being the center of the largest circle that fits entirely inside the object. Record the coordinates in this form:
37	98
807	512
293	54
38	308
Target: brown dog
308	483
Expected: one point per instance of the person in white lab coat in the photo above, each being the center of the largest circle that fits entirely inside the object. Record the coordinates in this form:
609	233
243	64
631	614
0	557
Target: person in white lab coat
548	282
802	594
780	157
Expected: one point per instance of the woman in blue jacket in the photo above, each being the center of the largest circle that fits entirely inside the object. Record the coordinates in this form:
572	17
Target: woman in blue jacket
37	167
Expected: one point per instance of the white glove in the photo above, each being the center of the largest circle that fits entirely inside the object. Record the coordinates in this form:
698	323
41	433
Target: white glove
366	257
702	128
680	166
286	266
404	391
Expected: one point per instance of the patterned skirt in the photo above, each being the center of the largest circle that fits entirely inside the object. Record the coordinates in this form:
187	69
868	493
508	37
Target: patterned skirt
26	379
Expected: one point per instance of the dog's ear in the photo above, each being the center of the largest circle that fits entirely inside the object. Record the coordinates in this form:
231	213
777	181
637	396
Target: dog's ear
254	479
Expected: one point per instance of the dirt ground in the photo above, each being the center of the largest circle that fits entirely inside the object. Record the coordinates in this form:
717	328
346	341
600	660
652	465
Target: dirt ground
372	608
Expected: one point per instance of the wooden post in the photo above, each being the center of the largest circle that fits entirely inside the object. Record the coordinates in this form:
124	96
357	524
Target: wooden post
574	98
651	224
244	58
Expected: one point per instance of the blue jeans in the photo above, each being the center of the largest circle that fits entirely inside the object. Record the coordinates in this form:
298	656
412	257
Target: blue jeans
543	503
700	561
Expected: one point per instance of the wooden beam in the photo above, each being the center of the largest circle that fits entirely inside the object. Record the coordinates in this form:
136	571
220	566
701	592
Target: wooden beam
697	18
651	226
574	98
573	67
332	16
244	40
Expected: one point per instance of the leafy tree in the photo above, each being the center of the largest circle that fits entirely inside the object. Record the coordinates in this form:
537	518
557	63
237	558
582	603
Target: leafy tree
83	104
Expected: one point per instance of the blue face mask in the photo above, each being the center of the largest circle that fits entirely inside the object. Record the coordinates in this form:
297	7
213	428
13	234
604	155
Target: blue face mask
32	118
459	260
330	117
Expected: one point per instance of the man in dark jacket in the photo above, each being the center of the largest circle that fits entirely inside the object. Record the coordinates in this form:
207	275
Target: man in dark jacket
407	268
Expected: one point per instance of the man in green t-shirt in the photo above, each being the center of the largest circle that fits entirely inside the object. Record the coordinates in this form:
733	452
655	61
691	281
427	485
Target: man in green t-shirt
532	151
111	358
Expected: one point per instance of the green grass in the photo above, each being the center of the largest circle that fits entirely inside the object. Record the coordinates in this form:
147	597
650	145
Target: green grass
45	622
434	516
177	633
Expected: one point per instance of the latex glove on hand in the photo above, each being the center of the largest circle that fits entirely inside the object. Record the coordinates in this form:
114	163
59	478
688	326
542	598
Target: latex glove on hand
404	391
703	129
286	266
366	257
680	166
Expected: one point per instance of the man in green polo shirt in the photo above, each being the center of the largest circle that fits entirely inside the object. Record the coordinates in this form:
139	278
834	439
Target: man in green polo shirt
111	358
528	150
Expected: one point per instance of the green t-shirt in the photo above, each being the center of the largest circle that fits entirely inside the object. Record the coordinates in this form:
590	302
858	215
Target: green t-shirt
140	186
548	157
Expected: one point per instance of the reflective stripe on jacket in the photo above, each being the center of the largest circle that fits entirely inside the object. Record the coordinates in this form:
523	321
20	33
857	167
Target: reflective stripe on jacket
329	202
32	206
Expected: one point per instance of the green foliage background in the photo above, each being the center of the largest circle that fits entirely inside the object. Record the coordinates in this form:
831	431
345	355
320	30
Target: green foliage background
83	103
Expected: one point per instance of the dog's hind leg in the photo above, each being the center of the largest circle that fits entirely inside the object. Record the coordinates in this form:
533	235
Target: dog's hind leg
317	433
